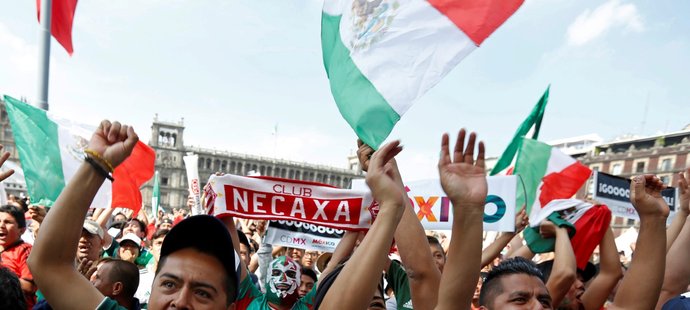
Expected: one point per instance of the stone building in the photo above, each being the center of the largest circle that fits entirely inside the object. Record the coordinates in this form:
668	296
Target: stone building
167	138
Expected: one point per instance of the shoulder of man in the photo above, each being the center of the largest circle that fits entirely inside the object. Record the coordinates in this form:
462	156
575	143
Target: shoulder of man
109	304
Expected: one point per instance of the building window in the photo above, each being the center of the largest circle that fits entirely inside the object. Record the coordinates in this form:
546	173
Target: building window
617	169
665	179
164	181
666	164
639	168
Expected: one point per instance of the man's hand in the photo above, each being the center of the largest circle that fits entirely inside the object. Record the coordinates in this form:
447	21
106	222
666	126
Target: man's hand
37	213
684	187
381	176
547	229
364	153
463	179
5	174
645	195
521	220
86	268
113	141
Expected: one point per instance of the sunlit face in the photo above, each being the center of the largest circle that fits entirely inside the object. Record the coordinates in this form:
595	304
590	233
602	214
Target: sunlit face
309	259
101	279
189	279
156	247
128	251
307	283
9	229
89	246
520	291
439	257
296	254
133	227
283	281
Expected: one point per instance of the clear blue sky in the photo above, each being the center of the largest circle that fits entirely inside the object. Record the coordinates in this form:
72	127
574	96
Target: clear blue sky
235	69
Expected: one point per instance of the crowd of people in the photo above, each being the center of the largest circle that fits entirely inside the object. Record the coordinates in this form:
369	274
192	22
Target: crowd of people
72	256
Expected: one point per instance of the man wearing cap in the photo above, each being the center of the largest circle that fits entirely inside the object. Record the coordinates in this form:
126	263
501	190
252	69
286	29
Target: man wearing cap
197	268
130	246
90	241
283	279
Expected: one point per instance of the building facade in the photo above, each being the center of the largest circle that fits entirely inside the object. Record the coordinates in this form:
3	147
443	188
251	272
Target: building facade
167	139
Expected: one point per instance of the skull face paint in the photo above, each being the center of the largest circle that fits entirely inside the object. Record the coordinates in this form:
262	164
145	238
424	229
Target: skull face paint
283	281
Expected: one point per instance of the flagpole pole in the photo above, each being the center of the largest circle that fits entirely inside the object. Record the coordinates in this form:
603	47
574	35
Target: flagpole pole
44	54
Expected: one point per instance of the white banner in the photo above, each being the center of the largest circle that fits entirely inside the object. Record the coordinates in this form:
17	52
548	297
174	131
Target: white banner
303	236
191	163
435	211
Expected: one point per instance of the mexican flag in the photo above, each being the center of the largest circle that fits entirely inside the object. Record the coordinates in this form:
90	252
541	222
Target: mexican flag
381	55
61	21
547	174
52	149
155	197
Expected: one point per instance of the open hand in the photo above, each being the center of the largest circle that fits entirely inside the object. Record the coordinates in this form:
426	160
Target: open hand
113	141
645	195
463	179
382	176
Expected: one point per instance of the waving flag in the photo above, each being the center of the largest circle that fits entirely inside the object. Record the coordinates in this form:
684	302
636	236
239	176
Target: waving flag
52	149
381	55
548	174
61	21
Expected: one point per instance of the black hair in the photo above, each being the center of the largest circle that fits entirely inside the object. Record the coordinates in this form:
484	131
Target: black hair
230	284
142	226
16	213
11	295
434	241
126	273
244	240
160	233
309	273
492	284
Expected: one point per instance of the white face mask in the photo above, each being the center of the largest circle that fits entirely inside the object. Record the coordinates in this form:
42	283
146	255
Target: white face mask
284	278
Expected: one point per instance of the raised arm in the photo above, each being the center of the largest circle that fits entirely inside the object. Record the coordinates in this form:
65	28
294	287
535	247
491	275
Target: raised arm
464	181
564	270
424	277
355	285
609	273
677	274
342	251
683	209
641	285
52	258
495	248
229	222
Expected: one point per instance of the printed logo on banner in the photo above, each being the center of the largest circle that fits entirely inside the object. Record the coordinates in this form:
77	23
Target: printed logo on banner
614	191
303	235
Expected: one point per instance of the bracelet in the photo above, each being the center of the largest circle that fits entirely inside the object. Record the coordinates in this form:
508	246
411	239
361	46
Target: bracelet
100	159
99	168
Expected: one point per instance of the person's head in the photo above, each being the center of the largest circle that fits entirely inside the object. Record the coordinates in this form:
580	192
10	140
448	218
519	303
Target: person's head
478	289
119	217
166	224
11	295
117	279
130	247
437	252
377	301
283	281
90	241
516	283
157	243
309	259
12	225
245	248
307	280
135	226
198	267
295	253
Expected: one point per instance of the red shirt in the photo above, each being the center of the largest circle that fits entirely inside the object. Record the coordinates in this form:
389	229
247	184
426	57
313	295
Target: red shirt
14	258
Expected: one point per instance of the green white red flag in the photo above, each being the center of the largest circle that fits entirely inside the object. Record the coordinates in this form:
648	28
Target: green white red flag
61	21
382	55
51	149
547	174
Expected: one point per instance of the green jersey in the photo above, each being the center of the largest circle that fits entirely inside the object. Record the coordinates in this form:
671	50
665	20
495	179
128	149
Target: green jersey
251	298
397	279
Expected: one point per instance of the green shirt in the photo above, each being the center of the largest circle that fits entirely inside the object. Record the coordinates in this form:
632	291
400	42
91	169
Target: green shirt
397	279
109	304
251	298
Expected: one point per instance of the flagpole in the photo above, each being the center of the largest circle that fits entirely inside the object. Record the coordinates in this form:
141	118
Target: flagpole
44	54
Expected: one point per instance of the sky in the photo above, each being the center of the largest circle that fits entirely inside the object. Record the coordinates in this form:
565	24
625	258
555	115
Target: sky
237	70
